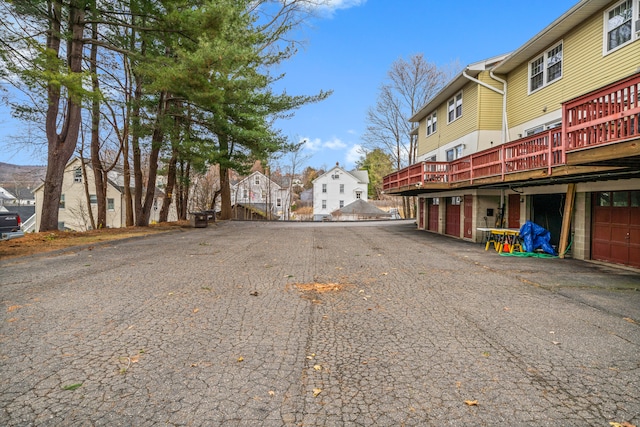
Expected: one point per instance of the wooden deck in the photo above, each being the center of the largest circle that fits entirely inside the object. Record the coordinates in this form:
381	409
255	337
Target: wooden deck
600	127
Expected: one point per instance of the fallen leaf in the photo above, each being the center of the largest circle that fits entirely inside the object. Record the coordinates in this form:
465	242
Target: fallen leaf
195	310
272	393
471	402
13	308
556	342
628	319
622	424
135	359
240	359
385	274
254	293
316	391
317	367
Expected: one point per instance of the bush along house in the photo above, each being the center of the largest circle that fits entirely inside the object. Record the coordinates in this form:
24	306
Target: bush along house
549	133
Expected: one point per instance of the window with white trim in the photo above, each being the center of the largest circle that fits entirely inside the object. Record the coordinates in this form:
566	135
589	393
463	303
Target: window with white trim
432	123
455	153
324	188
77	175
62	204
93	199
341	188
358	194
341	203
620	26
324	204
546	68
454	108
111	205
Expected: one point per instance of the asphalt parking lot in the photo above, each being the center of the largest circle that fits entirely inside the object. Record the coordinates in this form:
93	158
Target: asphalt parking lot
315	324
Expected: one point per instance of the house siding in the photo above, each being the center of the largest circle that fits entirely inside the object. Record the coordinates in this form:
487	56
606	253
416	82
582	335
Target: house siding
489	104
585	68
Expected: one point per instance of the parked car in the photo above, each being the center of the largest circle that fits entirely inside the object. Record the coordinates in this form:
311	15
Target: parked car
10	223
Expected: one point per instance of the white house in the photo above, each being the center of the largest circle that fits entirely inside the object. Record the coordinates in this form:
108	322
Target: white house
336	189
261	192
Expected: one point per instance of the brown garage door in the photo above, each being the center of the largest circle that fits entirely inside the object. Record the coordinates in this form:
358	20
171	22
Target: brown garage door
434	212
616	227
452	227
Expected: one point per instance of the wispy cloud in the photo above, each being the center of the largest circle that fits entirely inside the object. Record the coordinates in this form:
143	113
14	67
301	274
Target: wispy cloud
317	144
328	7
354	154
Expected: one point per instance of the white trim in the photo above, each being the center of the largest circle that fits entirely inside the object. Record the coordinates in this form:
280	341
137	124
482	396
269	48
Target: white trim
544	56
635	20
456	116
432	123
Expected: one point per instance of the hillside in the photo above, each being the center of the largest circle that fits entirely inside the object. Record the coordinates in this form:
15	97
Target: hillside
16	176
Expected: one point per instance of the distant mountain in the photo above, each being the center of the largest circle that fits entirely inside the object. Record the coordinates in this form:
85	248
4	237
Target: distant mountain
16	177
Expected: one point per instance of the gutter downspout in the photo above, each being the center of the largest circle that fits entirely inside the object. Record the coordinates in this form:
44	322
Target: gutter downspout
505	124
501	92
505	136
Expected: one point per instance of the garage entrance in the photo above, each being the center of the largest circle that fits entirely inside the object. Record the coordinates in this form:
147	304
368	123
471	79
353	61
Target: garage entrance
547	213
616	227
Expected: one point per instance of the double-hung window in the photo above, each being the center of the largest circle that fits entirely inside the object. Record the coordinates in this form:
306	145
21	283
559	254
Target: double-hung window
324	188
621	24
77	175
432	124
454	108
546	68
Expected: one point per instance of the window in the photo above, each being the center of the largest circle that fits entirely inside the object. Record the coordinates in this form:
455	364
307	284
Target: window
257	180
110	204
93	199
341	203
542	128
457	200
432	123
324	188
324	204
455	153
245	193
341	188
278	202
77	175
618	25
455	108
358	194
546	68
62	205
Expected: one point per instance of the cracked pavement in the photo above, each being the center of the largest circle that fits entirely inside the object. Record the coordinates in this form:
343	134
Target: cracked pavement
231	325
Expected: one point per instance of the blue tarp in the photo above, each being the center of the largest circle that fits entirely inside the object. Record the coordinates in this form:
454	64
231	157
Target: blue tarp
535	237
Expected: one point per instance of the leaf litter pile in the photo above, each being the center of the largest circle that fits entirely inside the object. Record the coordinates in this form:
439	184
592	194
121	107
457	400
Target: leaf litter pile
320	288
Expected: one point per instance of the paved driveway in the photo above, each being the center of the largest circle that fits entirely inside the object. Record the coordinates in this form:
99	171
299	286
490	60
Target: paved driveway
246	324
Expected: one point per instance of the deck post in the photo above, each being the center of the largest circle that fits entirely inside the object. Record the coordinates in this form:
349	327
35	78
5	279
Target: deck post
566	219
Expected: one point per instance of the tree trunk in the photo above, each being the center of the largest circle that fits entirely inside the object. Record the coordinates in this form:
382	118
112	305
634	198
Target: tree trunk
61	145
171	182
143	210
225	193
100	175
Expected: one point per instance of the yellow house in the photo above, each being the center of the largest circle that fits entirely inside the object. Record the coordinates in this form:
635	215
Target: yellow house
549	133
74	205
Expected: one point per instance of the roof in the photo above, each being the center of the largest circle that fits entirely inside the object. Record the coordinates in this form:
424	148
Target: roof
362	176
552	33
361	207
455	85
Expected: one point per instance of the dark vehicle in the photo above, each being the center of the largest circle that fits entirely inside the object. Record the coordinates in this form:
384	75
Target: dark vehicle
10	223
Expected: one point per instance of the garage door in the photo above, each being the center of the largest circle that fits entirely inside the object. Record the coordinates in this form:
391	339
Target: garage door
616	227
452	226
434	212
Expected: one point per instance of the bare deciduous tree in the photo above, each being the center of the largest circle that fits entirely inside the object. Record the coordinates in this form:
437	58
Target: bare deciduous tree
410	84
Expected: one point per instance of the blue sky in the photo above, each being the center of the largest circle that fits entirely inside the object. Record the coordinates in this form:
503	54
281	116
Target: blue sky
350	46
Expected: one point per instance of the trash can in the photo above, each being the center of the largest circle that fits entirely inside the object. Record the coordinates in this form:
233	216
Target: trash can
199	220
